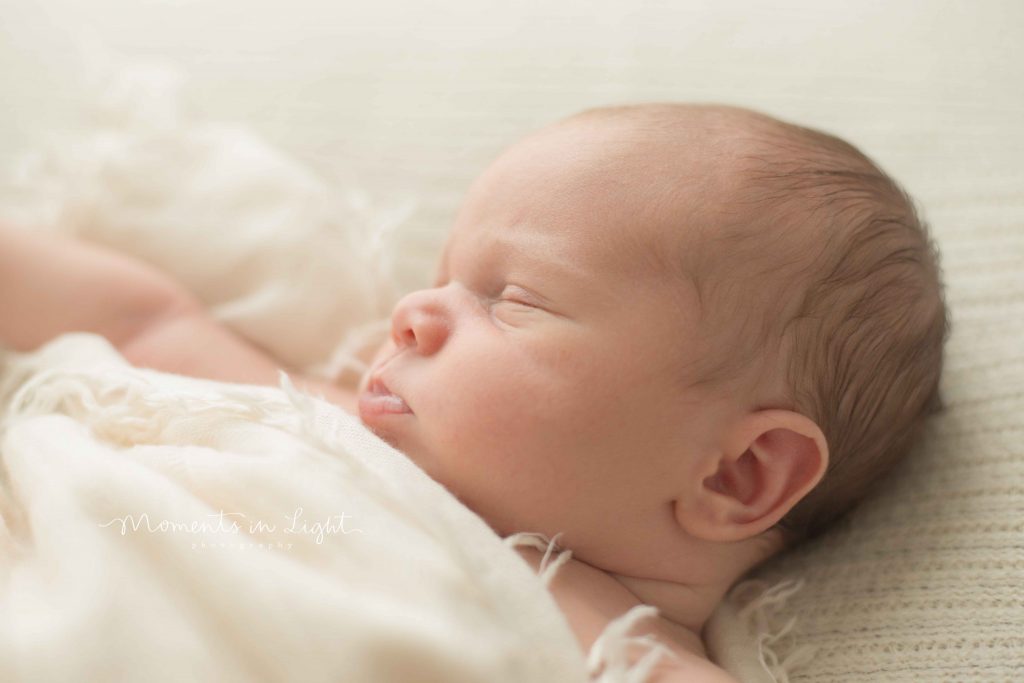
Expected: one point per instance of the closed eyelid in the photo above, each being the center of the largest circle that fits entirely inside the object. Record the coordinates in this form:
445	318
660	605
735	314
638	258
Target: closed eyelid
521	293
500	290
536	299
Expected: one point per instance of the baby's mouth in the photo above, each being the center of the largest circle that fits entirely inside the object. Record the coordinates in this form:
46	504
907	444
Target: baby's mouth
377	399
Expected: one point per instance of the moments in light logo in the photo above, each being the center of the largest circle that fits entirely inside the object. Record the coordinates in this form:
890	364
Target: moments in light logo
236	524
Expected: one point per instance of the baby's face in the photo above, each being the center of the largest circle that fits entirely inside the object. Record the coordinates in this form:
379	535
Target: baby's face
541	373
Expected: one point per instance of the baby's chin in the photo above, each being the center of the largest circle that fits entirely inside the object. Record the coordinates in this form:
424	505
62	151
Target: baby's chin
386	435
395	438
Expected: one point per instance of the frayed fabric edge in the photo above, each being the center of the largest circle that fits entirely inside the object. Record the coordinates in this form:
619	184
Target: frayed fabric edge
608	660
119	404
758	607
542	542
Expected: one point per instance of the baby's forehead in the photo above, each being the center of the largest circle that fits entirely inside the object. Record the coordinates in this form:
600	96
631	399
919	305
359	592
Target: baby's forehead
685	206
620	187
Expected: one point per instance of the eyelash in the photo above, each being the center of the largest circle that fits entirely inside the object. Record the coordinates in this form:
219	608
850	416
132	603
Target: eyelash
520	304
517	298
512	300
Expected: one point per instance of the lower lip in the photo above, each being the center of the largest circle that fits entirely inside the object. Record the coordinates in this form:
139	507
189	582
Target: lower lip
381	404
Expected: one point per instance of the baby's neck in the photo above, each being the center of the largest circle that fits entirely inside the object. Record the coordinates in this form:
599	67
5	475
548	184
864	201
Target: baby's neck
590	598
685	608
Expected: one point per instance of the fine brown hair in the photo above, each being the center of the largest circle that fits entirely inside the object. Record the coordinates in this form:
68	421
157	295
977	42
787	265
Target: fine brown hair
840	287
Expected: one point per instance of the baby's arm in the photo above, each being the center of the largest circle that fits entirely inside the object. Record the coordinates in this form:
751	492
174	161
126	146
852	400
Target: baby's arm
51	284
189	341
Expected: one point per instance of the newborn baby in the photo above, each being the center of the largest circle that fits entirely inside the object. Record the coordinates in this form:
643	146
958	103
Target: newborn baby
682	337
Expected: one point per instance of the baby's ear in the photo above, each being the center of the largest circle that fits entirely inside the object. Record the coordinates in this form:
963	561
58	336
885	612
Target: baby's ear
770	460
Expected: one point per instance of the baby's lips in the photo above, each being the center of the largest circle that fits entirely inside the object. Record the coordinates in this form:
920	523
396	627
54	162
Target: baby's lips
378	399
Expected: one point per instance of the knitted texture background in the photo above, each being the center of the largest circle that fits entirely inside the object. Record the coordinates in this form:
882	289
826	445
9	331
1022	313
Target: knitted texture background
923	581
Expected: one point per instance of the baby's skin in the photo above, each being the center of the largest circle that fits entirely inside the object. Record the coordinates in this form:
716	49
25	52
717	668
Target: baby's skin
541	379
538	379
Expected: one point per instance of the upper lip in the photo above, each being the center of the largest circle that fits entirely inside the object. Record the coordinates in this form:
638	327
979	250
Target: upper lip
377	385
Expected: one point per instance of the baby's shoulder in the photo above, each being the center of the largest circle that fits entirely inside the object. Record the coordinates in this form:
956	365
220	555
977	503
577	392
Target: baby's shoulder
590	599
681	665
691	670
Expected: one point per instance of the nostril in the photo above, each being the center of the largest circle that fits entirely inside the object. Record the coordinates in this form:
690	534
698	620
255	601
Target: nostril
404	330
406	337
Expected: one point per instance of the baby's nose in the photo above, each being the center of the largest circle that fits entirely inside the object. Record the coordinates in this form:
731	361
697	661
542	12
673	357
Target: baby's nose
419	321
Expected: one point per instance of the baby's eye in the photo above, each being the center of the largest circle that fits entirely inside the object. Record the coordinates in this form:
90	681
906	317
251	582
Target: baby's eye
516	296
515	301
508	313
513	304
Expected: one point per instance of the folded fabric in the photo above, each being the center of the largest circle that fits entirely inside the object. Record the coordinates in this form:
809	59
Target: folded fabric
163	528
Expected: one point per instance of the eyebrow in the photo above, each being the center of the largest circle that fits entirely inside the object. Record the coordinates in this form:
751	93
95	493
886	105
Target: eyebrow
543	260
555	267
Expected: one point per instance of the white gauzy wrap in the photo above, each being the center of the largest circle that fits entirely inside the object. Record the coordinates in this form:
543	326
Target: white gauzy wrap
165	528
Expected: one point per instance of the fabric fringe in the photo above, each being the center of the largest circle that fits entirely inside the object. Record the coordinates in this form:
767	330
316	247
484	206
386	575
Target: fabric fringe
608	660
759	610
542	542
119	404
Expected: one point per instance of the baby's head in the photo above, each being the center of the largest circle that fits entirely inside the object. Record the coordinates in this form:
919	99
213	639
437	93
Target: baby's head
668	331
